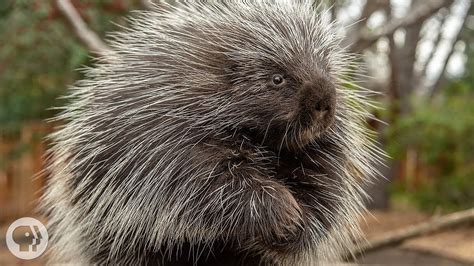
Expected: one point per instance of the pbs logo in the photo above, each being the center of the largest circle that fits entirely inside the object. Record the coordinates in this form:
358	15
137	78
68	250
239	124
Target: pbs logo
27	238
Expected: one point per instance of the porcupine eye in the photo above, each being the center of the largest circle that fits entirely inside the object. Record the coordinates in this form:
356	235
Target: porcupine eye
278	79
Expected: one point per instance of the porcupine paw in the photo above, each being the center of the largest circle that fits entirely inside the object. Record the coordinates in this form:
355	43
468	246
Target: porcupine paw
280	222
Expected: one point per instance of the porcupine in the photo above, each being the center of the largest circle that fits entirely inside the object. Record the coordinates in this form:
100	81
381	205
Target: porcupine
215	133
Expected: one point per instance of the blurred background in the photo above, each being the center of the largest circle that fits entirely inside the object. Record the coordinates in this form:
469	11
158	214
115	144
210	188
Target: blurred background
418	54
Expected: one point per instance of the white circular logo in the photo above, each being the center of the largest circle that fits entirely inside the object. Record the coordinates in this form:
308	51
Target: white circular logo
27	238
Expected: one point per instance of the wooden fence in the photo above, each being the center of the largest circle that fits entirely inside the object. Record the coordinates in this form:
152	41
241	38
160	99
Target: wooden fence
21	181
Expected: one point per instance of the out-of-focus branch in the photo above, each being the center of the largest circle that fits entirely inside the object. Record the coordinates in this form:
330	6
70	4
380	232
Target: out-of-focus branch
416	15
436	43
368	9
372	6
437	85
398	236
88	37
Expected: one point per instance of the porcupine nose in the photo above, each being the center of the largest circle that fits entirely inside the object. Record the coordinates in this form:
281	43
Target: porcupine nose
323	100
322	108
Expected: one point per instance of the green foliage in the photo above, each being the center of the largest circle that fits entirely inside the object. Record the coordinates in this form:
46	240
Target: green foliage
39	56
442	134
39	59
441	131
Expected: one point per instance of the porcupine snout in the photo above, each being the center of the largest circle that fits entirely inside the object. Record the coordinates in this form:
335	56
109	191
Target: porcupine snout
318	103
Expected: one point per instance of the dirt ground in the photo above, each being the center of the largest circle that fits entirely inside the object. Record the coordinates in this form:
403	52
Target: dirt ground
452	247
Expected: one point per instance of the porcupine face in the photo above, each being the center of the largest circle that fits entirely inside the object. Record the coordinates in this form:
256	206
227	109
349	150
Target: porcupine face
286	75
292	106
